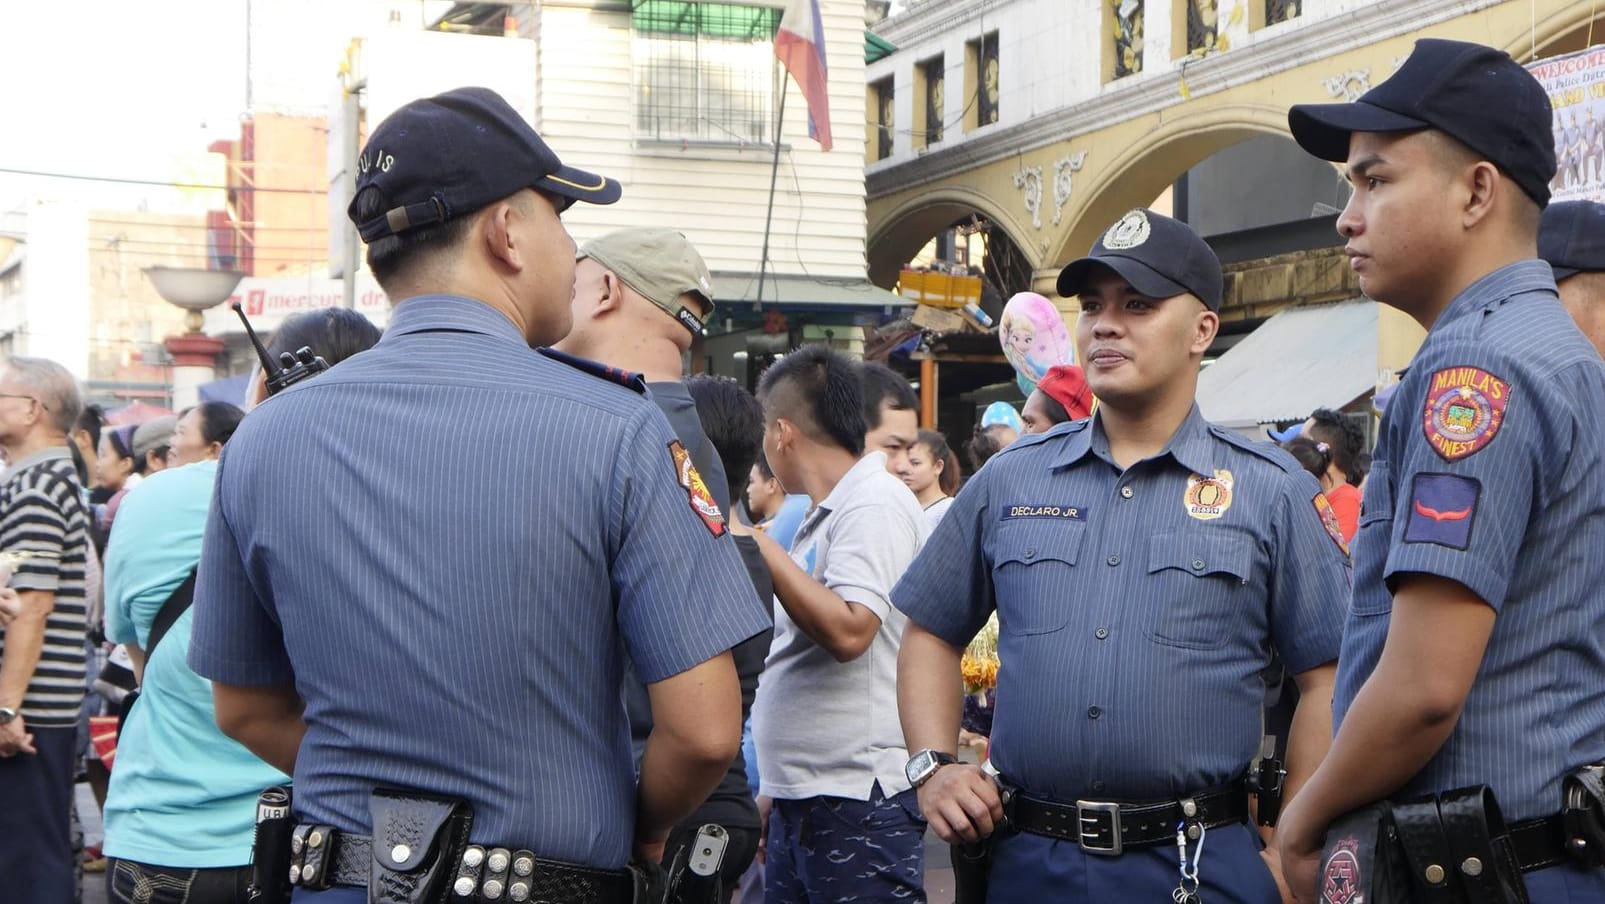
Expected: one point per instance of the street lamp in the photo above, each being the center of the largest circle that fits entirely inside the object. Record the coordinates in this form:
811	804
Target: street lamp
194	353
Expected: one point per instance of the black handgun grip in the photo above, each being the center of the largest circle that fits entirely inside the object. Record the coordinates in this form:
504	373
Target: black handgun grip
270	854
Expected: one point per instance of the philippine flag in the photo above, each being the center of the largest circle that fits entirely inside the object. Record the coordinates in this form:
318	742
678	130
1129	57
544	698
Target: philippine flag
800	46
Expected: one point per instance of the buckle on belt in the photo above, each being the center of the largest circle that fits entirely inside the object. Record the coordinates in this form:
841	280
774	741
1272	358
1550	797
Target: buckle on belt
1100	827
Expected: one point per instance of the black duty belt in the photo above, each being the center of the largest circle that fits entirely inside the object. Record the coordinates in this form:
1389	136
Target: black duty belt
488	874
1540	843
1107	828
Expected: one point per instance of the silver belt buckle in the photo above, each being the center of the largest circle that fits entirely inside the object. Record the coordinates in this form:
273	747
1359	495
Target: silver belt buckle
1100	827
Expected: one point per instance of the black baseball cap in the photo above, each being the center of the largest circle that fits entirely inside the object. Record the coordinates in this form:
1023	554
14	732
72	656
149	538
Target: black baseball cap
443	157
1571	236
1159	256
1475	94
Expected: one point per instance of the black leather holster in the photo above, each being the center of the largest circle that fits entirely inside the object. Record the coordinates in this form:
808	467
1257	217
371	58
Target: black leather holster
418	839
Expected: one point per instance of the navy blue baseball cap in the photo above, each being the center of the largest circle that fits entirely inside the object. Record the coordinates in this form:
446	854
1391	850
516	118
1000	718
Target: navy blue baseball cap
1477	95
443	157
1159	256
1571	236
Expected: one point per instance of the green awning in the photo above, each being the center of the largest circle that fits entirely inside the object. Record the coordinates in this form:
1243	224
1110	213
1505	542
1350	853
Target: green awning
731	21
876	47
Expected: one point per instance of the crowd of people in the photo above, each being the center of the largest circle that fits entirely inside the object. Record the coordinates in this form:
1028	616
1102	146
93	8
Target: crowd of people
505	606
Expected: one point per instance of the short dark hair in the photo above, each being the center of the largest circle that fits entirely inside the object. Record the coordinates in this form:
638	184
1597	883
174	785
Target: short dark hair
334	334
981	447
733	421
90	420
393	255
882	387
1312	456
219	420
1341	435
820	390
762	462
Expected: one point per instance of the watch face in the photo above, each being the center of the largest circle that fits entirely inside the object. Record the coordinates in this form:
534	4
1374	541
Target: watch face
919	767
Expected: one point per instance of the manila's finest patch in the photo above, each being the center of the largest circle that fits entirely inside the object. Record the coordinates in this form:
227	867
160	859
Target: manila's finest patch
701	500
1208	498
1465	409
1323	507
1340	875
1442	509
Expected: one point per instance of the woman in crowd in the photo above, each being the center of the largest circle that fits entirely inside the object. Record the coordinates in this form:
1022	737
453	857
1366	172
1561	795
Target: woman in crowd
202	431
931	470
181	808
1316	458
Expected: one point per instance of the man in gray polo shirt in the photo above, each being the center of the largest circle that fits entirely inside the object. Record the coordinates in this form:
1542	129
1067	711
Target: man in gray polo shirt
845	823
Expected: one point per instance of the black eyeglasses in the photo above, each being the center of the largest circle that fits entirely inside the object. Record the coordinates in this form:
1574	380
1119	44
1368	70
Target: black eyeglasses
12	395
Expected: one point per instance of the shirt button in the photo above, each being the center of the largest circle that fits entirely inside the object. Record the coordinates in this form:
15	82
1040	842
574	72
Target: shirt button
1198	564
1097	785
1030	553
1101	633
1113	560
1094	712
1125	492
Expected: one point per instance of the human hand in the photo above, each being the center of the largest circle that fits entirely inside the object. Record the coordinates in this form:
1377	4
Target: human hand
961	803
1273	861
15	739
1298	847
10	606
766	804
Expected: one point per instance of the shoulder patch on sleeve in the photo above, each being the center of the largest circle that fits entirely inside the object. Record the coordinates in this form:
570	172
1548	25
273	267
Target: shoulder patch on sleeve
632	381
702	503
1443	508
1464	410
1329	520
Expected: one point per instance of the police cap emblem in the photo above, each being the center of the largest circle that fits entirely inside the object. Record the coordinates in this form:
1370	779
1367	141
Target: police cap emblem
1129	231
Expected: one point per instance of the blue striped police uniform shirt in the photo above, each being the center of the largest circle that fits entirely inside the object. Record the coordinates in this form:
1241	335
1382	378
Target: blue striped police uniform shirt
449	543
1490	471
1137	610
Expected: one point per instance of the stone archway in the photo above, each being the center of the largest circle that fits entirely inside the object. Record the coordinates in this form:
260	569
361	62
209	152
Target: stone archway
1557	33
905	230
1143	170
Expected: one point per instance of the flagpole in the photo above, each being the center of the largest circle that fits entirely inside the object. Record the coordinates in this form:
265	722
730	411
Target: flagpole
774	174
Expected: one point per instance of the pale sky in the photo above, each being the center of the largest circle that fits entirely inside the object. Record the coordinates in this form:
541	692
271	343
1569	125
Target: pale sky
138	90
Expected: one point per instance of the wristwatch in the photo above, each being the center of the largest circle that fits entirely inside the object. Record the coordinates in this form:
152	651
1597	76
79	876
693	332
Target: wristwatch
7	715
921	766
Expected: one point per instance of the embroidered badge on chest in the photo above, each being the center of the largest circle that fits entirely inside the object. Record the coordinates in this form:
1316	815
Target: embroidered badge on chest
1465	409
1329	520
1208	498
1340	877
701	500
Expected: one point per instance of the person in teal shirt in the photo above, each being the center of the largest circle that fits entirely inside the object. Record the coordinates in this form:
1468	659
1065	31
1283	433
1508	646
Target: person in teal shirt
182	798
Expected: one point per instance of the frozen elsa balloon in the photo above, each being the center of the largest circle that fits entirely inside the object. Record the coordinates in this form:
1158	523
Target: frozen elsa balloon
1034	338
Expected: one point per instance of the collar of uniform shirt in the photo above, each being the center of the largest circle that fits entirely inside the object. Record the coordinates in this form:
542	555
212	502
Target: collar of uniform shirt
428	313
1510	280
1189	447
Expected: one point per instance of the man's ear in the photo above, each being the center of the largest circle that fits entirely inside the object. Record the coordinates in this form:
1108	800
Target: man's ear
612	293
495	231
1205	329
1483	183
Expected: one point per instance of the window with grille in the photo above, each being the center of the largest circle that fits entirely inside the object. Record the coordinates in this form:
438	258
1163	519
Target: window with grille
704	71
1280	11
935	71
1203	17
1128	39
986	82
885	119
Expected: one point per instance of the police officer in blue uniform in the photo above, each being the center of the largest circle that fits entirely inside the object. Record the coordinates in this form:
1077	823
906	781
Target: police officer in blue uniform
424	569
1143	564
1474	651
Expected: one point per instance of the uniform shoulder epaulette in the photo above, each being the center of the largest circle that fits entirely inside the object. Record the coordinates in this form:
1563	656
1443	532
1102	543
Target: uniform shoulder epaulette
631	381
1265	449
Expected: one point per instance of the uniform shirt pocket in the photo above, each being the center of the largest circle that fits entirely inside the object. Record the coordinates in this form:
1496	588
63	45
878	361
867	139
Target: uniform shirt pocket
1032	574
1198	589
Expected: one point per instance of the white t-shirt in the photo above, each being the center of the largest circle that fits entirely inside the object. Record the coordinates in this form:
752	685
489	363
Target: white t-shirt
828	728
935	511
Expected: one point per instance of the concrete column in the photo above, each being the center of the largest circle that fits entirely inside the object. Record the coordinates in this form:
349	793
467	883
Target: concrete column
194	363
